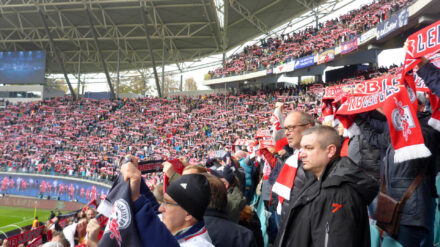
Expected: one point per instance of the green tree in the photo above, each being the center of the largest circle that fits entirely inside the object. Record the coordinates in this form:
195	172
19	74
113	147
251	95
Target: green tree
136	85
59	84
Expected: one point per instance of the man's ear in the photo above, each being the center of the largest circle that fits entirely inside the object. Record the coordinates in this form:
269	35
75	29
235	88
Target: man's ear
189	217
331	151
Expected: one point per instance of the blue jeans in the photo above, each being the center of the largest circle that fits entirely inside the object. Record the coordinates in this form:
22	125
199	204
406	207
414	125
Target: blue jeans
414	236
274	224
417	236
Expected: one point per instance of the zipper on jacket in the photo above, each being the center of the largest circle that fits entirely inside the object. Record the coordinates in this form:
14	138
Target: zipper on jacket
327	229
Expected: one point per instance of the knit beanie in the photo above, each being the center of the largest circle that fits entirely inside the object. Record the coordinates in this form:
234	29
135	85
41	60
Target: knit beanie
225	172
192	192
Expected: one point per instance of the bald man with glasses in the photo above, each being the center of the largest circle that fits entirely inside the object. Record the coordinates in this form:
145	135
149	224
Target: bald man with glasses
294	124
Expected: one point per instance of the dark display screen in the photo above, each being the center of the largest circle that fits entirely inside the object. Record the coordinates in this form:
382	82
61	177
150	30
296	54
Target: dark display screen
22	67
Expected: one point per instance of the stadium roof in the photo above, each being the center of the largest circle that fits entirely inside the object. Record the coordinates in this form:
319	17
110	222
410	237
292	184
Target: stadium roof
187	29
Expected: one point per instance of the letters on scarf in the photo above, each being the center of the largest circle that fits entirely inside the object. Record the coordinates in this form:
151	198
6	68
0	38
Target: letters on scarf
423	43
397	102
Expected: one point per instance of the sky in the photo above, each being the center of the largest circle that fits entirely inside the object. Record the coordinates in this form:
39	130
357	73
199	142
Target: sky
98	83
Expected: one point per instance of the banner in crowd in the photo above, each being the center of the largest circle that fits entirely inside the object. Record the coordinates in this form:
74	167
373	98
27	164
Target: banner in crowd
304	62
366	36
282	68
291	80
25	237
393	23
349	46
66	189
326	56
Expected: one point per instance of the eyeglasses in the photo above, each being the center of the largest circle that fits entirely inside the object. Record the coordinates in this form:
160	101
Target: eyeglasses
165	204
292	128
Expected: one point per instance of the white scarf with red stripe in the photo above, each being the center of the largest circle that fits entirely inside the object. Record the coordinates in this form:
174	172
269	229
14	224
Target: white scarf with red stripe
278	135
286	179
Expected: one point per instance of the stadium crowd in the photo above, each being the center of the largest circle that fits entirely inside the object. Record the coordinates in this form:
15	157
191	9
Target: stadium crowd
93	138
312	40
243	169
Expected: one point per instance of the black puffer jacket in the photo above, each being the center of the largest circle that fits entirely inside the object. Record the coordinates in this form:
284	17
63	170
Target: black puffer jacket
331	211
365	155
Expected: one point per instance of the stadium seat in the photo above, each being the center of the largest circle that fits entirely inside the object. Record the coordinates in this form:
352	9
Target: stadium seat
375	236
390	242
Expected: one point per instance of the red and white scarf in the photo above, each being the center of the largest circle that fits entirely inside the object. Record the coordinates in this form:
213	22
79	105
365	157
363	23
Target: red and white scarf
278	136
434	121
423	43
405	132
327	111
286	179
397	101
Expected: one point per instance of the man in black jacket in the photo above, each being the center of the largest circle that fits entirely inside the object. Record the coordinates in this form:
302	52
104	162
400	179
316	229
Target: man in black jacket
331	208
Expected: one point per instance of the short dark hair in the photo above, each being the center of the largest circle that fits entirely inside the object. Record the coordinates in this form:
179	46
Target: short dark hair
219	196
326	136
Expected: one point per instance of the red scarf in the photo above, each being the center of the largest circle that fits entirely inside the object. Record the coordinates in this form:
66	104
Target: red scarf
286	179
405	132
423	43
406	135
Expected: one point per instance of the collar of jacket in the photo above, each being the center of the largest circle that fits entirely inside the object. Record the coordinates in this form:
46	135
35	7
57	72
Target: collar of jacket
337	172
313	186
216	213
194	230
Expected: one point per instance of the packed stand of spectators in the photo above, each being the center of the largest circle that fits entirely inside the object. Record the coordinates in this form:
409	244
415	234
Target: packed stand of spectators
88	138
212	192
312	40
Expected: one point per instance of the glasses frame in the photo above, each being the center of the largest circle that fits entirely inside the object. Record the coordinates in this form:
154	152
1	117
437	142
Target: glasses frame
292	128
165	204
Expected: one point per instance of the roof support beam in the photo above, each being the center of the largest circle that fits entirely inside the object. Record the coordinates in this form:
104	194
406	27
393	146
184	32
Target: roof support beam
147	35
59	60
104	65
163	69
243	11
